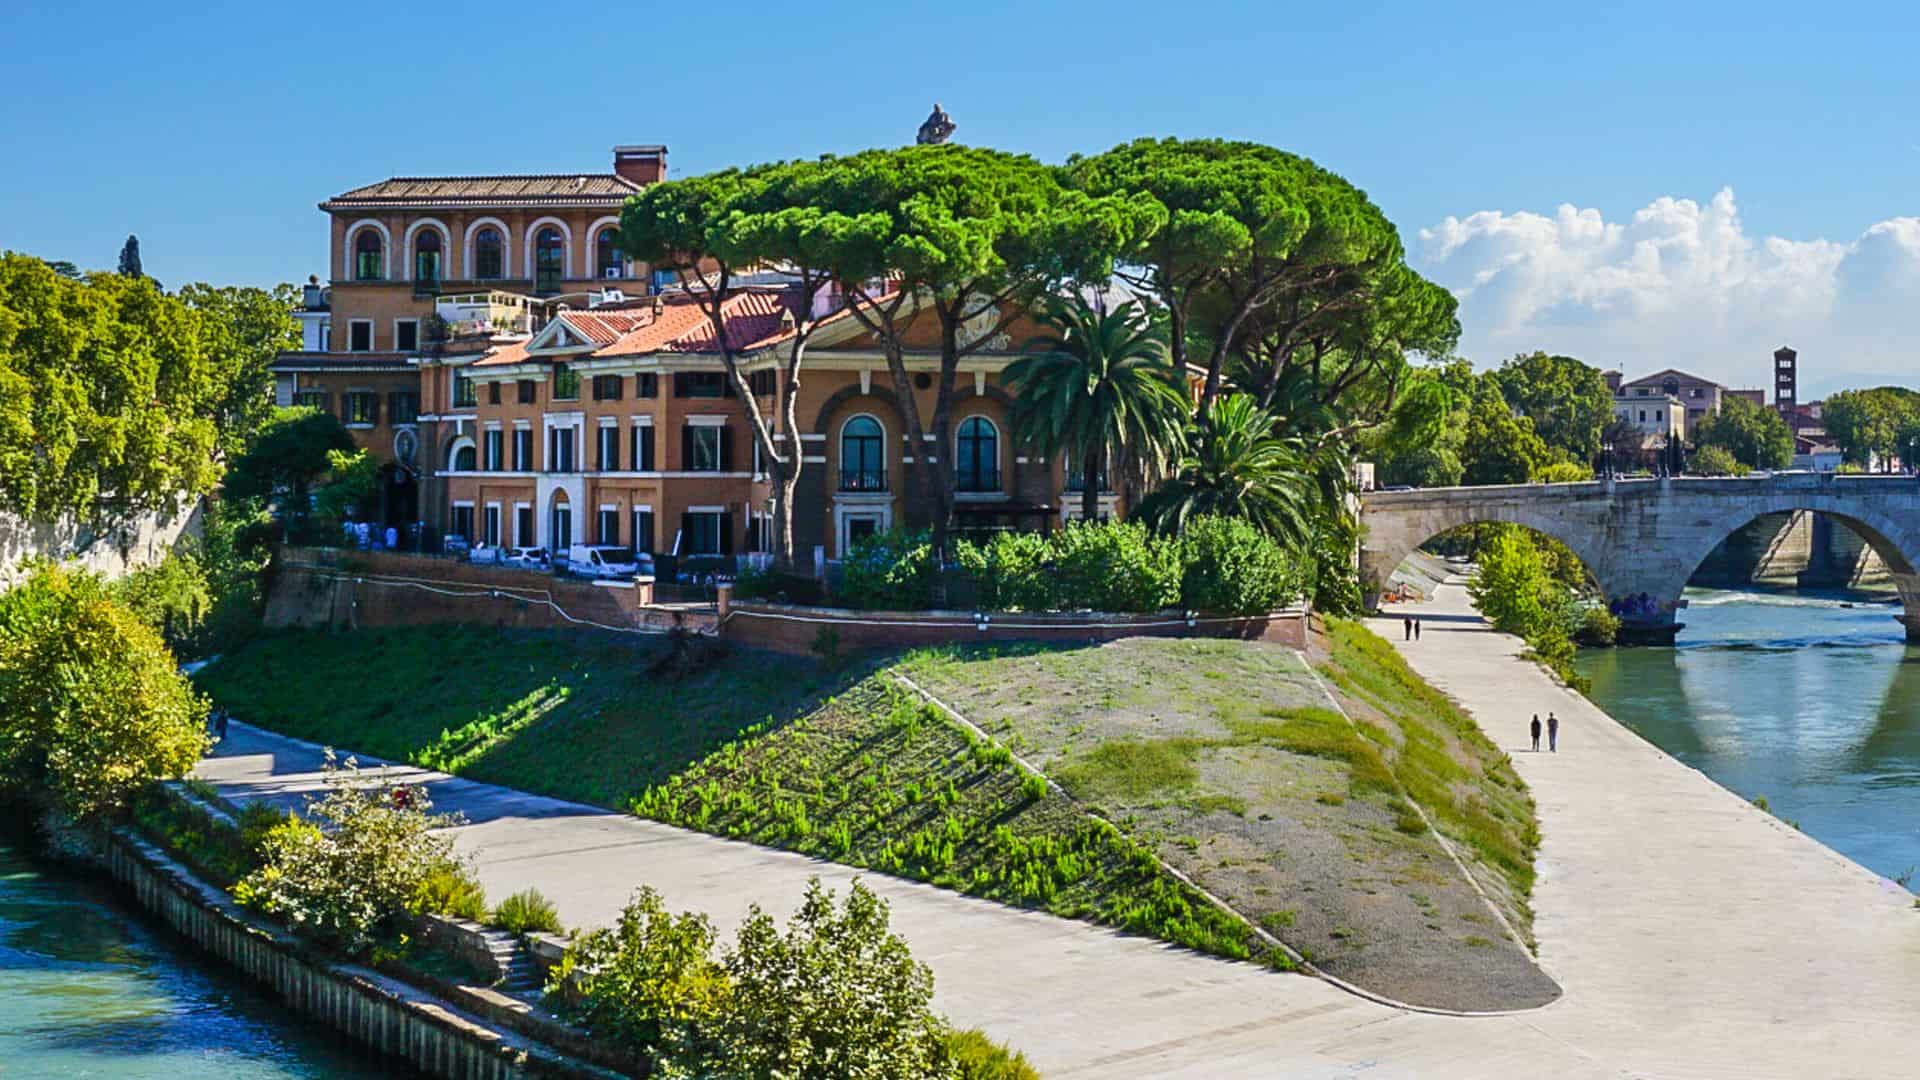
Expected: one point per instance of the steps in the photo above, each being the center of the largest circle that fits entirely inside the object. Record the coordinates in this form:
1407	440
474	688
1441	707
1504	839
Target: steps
519	974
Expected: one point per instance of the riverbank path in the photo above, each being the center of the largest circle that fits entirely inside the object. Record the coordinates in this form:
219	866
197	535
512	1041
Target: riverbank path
1694	936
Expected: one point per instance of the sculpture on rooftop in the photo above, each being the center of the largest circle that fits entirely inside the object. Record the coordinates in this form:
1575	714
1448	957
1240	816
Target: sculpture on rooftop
937	128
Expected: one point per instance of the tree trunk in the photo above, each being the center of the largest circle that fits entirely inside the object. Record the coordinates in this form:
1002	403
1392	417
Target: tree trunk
1090	484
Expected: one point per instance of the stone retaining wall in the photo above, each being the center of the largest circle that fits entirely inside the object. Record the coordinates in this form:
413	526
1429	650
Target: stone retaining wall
379	1012
351	590
798	630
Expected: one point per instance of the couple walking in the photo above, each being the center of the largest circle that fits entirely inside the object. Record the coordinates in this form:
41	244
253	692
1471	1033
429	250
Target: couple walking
1412	628
1553	732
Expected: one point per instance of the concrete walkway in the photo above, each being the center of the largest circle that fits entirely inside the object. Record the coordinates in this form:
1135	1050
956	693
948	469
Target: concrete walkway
1694	936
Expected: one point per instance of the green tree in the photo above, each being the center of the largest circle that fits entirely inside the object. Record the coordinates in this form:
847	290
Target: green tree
130	257
1568	401
1753	435
292	451
241	330
1499	448
1101	391
1235	466
1717	461
1263	254
92	706
1868	424
972	236
351	487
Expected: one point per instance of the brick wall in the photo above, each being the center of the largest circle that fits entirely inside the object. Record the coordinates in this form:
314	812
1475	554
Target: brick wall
317	587
794	630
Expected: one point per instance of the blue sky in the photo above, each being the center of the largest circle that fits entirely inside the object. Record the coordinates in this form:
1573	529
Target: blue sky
1778	139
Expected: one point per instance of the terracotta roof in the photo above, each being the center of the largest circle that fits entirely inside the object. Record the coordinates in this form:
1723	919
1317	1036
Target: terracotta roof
511	353
454	191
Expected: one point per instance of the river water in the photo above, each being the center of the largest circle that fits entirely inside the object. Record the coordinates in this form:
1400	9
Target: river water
90	990
1809	700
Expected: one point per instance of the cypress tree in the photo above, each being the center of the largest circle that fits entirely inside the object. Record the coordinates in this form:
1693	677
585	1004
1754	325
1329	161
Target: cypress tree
130	257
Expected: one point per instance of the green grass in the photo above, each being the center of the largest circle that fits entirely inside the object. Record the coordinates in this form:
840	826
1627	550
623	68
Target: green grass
1133	770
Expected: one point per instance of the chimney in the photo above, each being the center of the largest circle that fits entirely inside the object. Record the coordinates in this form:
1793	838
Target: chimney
640	164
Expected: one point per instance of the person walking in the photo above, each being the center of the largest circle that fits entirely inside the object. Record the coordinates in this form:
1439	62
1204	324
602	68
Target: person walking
1409	627
1416	629
1553	733
1536	733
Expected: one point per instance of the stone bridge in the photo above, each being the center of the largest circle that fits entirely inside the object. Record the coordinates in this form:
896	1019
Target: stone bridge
1642	539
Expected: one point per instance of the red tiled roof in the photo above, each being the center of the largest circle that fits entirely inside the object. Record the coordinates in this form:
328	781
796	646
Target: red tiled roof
511	353
559	189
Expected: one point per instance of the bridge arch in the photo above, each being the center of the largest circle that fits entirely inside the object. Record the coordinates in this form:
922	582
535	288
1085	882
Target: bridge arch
1643	540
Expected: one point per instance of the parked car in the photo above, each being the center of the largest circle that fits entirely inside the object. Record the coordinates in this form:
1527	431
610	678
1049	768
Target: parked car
528	558
454	544
608	561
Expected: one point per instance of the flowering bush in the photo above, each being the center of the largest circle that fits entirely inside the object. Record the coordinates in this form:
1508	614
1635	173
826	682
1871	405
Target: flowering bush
360	857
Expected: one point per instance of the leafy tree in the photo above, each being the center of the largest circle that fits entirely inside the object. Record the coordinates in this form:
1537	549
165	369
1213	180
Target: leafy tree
1753	435
1718	461
1500	448
92	706
710	228
172	596
1562	472
351	488
1101	391
971	236
1233	568
66	269
104	411
650	981
1235	466
1264	254
358	858
241	330
130	257
1869	424
292	451
1568	401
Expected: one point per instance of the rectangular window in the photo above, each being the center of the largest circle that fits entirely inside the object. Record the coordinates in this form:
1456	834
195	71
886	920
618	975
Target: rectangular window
362	407
607	387
608	459
523	525
646	385
703	533
528	391
643	448
463	397
493	393
406	334
566	383
607	526
560	449
699	384
643	531
492	520
311	399
360	335
762	382
494	457
463	522
703	448
522	449
403	407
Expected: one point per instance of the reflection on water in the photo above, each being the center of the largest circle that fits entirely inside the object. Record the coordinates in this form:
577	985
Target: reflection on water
90	991
1812	700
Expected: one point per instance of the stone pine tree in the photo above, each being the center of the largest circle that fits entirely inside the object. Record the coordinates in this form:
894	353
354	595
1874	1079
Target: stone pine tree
130	257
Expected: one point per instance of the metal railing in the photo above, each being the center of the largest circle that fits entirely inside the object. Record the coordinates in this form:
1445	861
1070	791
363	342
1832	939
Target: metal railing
863	479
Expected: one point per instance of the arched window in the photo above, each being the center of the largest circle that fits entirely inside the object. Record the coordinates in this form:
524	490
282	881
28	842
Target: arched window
427	256
549	260
368	257
464	458
862	468
609	260
977	455
488	262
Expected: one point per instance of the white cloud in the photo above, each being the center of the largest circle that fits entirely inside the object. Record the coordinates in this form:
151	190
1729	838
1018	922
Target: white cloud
1682	284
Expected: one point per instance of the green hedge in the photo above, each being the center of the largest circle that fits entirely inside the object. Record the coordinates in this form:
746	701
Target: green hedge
1221	565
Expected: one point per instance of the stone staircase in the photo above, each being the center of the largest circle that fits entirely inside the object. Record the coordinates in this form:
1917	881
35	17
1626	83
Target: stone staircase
513	961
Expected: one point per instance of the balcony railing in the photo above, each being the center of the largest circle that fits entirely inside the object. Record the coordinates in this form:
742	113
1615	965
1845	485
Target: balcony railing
978	483
863	479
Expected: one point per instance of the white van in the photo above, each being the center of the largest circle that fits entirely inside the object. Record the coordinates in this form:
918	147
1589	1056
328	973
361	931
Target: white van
607	561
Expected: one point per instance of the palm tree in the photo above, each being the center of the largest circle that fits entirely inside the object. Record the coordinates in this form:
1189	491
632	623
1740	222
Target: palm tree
1236	466
1103	390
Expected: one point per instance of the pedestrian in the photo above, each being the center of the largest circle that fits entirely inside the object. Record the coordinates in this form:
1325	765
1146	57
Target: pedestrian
1553	733
1416	629
1409	627
220	723
1536	733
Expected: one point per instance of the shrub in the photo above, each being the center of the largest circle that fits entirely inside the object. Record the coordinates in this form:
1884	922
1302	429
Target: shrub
1598	626
367	855
1232	568
450	889
1012	571
1562	472
892	570
970	1055
1717	461
1115	566
835	994
173	596
778	586
525	912
92	705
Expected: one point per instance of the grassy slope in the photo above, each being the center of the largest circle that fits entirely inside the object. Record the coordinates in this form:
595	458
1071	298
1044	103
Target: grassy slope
759	748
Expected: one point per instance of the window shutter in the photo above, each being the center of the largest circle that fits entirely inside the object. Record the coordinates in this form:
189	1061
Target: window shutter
726	524
686	447
686	533
726	450
679	384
